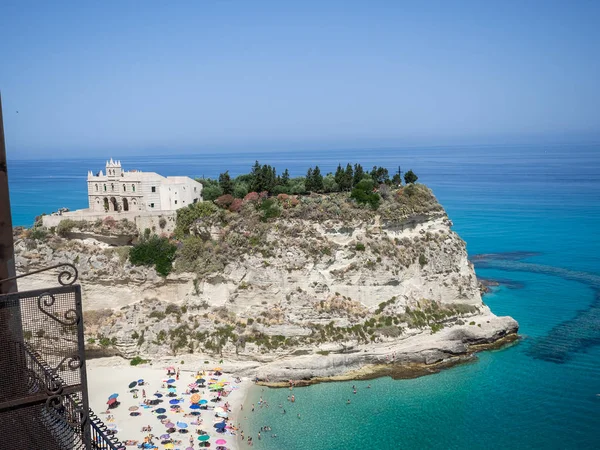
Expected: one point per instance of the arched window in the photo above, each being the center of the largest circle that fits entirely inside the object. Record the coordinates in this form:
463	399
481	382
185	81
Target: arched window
96	187
124	188
112	186
133	187
104	188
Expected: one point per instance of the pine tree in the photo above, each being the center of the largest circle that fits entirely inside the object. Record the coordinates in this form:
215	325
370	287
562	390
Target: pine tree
226	183
256	178
359	173
317	180
410	177
308	183
285	178
348	178
339	176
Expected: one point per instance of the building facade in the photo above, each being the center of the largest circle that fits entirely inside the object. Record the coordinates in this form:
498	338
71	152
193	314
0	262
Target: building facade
118	190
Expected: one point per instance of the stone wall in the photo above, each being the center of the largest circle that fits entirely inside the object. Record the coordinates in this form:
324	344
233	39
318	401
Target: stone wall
142	219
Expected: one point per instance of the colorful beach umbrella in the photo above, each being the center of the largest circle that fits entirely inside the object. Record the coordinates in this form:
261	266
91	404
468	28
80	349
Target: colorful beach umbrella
165	436
195	398
113	396
223	415
161	417
174	401
132	384
171	380
203	402
204	437
220	442
169	425
219	425
160	410
133	408
195	406
169	446
111	401
182	425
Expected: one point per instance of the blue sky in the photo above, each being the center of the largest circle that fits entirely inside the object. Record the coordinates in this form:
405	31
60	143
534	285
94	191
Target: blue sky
92	78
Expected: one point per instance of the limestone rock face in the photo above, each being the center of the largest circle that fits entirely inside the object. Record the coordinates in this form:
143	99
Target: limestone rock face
320	298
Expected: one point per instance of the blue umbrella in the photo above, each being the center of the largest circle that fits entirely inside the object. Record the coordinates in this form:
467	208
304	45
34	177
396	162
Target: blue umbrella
172	390
174	401
182	424
195	406
161	417
203	402
158	395
171	380
113	396
160	410
220	425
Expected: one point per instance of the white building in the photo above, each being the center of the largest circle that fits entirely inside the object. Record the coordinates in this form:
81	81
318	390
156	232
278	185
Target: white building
122	191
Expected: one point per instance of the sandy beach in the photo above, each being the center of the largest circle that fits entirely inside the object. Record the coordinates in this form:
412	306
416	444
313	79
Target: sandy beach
109	376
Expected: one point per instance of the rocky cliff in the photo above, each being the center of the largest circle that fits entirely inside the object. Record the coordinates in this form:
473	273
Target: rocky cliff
322	288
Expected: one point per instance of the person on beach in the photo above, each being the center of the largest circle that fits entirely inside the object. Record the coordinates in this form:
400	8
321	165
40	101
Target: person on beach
298	416
293	398
259	436
252	407
348	402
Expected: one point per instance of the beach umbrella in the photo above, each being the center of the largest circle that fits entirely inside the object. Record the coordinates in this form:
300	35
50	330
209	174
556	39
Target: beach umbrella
111	401
160	410
172	389
171	380
159	395
219	425
133	408
134	390
195	413
223	415
195	406
195	398
113	396
220	442
140	381
169	445
189	448
134	414
182	424
132	384
165	436
169	424
204	437
174	401
161	417
200	381
203	402
171	430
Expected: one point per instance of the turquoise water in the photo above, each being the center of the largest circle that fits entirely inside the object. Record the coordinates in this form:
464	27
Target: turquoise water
540	393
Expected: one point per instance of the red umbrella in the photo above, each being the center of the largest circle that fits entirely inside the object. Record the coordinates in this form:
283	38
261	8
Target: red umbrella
111	401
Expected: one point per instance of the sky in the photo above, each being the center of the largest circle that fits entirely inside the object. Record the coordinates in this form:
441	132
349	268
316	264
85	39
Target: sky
93	78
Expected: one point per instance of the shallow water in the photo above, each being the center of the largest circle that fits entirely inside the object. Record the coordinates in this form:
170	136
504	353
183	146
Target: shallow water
541	393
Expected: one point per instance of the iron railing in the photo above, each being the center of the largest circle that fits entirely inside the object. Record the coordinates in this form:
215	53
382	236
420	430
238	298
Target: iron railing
43	383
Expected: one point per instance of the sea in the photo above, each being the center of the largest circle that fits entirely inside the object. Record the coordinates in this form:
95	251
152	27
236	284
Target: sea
530	216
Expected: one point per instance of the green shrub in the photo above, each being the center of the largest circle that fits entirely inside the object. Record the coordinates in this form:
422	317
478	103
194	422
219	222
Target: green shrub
422	260
323	352
363	193
360	247
154	251
137	360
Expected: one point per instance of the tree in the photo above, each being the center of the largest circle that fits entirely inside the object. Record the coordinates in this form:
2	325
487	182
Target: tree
363	193
339	175
348	178
256	177
285	178
317	181
396	179
308	183
359	173
329	184
226	183
410	177
380	175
